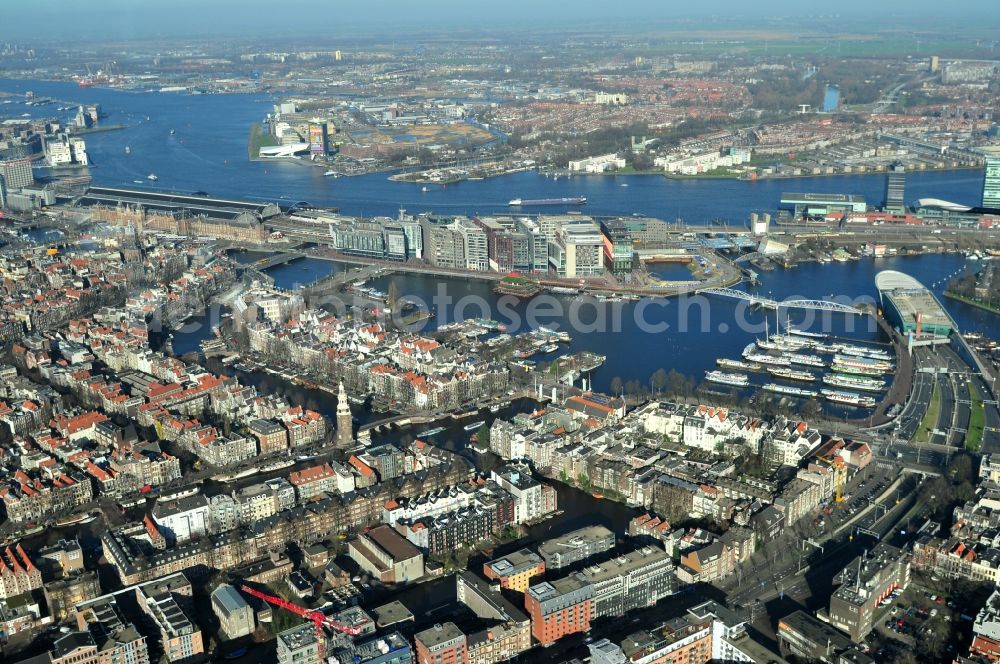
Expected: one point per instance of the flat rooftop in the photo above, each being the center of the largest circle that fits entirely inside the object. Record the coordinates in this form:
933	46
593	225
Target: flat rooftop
575	540
821	198
626	563
514	563
911	302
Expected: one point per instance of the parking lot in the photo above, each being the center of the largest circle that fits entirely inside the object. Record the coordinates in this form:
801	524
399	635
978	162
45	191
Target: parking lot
925	618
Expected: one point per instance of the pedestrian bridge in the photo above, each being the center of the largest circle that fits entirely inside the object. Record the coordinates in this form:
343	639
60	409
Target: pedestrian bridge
820	305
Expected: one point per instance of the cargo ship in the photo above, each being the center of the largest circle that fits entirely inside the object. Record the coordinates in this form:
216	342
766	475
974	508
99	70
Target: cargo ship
807	360
793	391
791	374
737	364
723	378
570	200
855	382
849	398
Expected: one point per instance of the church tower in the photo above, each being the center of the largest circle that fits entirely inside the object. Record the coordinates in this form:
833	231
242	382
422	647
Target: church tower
345	436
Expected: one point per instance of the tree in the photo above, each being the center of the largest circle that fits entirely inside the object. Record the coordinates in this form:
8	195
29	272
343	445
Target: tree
677	384
393	296
483	436
616	385
659	380
583	481
811	409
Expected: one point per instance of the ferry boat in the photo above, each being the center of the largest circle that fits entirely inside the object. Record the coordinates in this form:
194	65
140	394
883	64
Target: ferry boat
859	371
432	432
855	382
559	335
791	374
781	342
568	200
760	358
474	426
808	360
802	333
862	362
849	398
723	378
786	389
862	351
737	364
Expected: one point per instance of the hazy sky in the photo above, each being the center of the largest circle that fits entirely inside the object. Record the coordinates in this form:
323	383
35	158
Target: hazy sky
101	19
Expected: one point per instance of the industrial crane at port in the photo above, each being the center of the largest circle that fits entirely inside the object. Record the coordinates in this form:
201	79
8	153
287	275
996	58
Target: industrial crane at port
318	618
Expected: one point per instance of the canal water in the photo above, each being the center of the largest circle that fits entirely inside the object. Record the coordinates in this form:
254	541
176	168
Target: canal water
208	152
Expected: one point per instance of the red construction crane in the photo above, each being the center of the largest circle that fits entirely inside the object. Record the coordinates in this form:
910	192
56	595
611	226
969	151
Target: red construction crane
318	618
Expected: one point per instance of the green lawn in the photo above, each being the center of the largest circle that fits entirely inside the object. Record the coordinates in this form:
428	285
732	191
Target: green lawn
977	421
258	139
931	417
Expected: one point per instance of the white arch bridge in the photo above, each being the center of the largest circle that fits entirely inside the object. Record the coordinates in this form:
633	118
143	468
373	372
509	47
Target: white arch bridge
820	305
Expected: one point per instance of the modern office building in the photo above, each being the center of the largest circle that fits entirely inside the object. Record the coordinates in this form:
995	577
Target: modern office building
578	249
576	546
631	581
895	188
991	178
910	307
560	608
167	602
618	250
802	636
539	243
16	173
864	583
298	645
506	630
819	205
515	570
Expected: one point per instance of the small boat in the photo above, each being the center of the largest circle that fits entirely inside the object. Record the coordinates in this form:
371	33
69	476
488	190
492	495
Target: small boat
330	173
128	150
173	131
137	181
152	177
424	188
474	426
597	495
74	520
